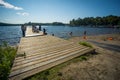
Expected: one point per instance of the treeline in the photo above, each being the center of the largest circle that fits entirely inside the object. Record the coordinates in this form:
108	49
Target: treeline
110	20
8	24
33	23
53	24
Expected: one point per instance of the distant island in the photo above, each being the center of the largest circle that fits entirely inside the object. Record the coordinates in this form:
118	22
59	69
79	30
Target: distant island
9	24
33	23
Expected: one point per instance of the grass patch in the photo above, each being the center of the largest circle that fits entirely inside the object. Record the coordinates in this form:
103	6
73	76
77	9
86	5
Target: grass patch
7	55
85	44
83	58
55	73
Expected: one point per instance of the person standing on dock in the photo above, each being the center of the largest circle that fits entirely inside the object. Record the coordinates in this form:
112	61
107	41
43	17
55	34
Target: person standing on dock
39	27
23	28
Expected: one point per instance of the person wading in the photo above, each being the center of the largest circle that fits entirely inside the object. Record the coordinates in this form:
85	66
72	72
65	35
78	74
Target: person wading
85	32
44	31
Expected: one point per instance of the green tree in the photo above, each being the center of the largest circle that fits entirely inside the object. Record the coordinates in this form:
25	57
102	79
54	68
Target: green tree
97	21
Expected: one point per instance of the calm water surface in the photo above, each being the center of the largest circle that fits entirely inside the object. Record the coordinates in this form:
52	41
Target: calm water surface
12	34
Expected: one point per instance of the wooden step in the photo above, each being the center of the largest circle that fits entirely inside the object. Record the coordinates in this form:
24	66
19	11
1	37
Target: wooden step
47	65
44	52
44	58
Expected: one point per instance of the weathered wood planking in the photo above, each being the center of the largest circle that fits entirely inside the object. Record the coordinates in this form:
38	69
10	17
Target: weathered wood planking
43	52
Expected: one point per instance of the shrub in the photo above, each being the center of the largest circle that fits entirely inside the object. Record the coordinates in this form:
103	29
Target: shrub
85	44
83	58
7	55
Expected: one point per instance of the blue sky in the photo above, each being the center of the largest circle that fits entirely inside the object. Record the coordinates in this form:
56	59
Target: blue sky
22	11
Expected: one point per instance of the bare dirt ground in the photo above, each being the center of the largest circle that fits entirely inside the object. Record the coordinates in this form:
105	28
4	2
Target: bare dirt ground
103	66
100	67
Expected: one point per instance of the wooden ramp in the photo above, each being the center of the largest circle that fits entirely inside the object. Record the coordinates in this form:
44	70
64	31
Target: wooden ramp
43	52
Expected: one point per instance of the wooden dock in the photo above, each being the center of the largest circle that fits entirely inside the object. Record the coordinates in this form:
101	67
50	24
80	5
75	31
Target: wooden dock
43	52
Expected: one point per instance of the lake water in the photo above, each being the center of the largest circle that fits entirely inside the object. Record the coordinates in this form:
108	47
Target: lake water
12	34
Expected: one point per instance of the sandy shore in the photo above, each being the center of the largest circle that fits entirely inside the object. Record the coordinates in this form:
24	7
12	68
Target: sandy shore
99	38
107	41
103	66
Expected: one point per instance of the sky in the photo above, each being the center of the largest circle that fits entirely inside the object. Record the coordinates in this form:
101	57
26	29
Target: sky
47	11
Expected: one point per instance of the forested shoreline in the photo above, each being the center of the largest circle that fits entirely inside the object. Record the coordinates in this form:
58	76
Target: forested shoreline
108	21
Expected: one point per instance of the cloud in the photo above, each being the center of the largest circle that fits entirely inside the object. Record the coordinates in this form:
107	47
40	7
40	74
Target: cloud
8	5
23	13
